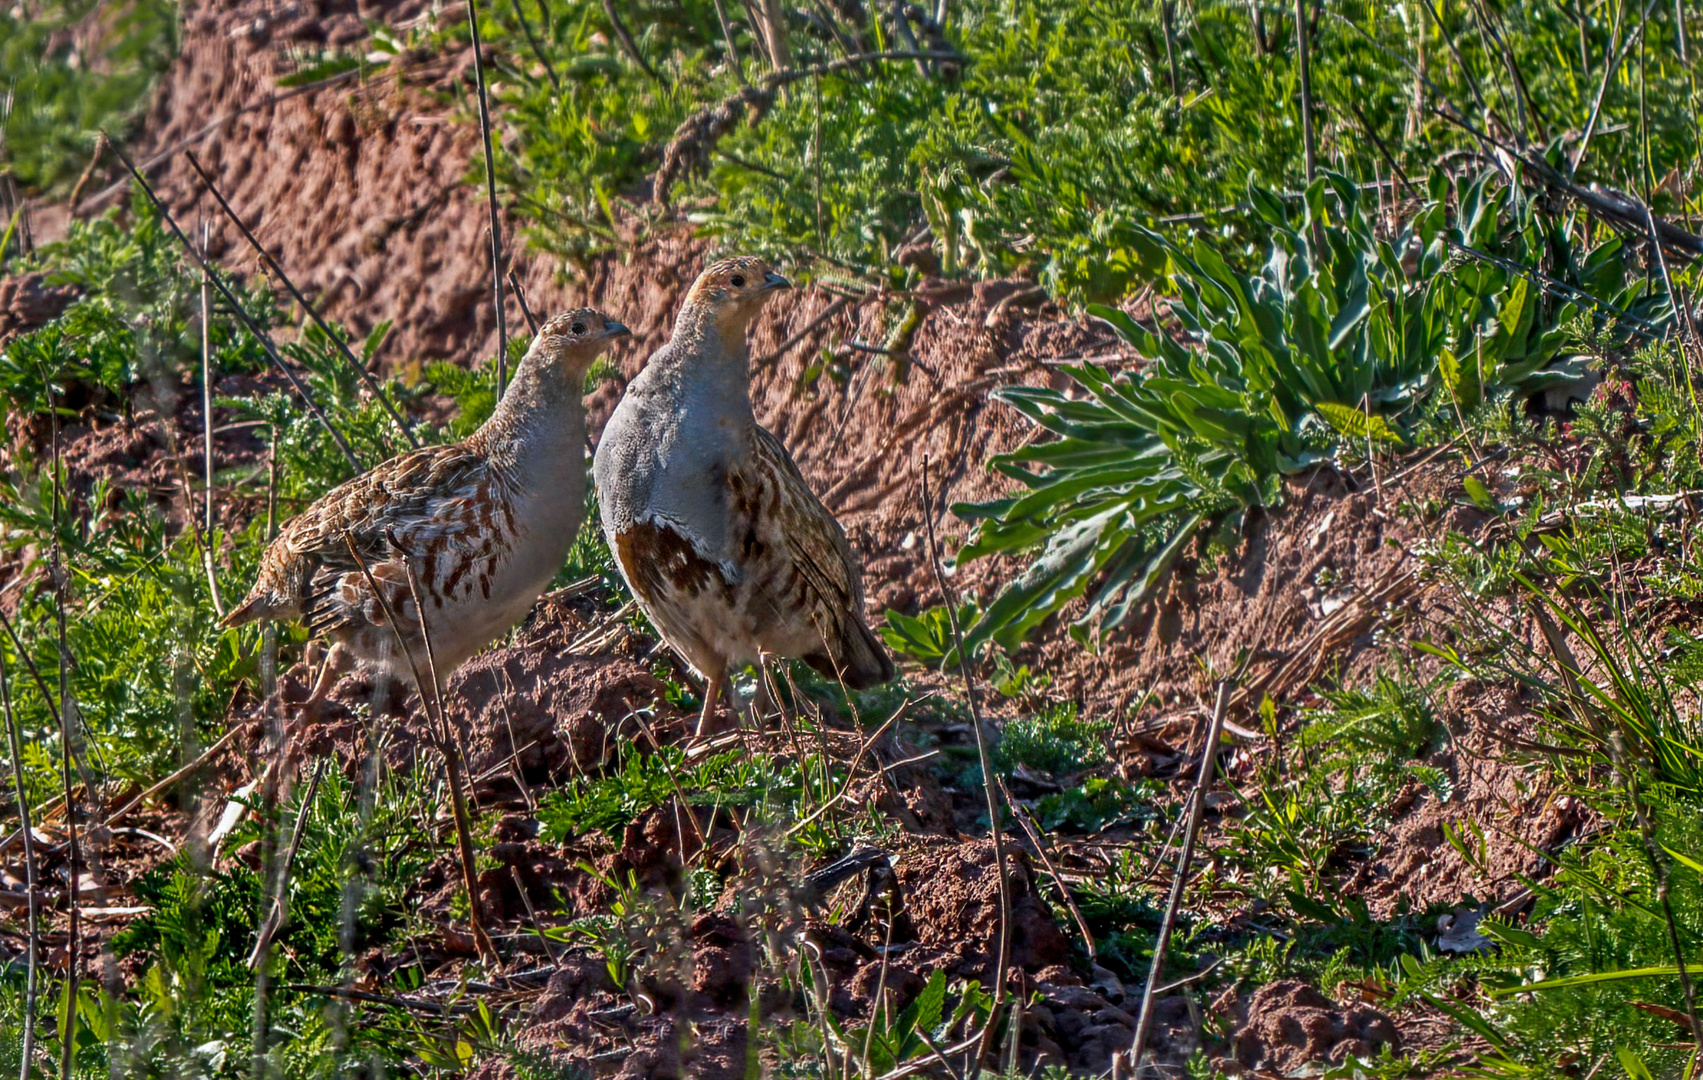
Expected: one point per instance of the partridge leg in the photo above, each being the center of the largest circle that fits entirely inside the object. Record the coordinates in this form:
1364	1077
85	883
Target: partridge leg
337	661
765	704
282	766
712	696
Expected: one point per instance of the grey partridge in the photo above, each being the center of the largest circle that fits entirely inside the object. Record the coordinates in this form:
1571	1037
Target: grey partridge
722	542
487	523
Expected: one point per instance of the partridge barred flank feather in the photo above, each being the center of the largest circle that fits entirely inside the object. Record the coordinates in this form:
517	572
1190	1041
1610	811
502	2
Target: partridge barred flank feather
487	522
719	537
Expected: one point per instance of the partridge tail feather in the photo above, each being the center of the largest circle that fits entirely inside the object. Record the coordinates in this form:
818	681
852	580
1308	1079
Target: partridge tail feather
259	604
862	660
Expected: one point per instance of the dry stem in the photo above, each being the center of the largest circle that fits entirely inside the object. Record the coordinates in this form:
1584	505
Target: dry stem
985	758
27	1052
248	322
491	198
1197	809
207	431
451	752
279	912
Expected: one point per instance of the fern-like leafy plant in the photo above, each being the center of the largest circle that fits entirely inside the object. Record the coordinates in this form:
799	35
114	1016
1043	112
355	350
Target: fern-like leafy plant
1337	338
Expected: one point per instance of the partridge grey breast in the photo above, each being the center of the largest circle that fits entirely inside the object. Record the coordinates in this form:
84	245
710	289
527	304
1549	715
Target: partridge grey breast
487	521
718	535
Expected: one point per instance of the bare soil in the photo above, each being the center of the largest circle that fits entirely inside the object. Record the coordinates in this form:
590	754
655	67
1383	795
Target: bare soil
361	194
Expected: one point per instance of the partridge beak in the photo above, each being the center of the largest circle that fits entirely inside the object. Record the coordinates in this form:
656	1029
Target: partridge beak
772	280
613	329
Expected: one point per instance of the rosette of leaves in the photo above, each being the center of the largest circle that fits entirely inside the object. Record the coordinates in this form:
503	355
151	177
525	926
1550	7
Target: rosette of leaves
1337	338
1534	303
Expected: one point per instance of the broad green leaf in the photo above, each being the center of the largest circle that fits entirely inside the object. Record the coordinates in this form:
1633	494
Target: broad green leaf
1359	426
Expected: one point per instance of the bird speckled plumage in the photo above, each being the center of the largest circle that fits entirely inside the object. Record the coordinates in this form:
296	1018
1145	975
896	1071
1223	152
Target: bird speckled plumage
718	535
487	523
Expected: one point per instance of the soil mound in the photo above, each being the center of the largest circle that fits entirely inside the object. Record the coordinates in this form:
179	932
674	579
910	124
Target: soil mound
1291	1025
28	301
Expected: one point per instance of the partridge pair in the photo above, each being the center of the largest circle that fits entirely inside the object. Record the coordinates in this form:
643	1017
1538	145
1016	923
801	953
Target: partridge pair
721	541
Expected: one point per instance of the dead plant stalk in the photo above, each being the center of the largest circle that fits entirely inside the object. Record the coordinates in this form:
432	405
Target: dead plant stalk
73	878
207	430
279	913
265	339
336	339
1030	829
982	755
15	739
1197	809
453	770
434	714
491	199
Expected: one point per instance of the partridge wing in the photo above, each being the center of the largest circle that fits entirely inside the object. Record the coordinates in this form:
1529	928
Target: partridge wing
813	538
404	494
822	560
413	495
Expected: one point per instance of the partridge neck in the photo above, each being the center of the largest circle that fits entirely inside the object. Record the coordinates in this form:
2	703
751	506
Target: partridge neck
711	354
542	411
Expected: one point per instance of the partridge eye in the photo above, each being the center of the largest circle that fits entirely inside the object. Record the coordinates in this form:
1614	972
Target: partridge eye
579	328
739	281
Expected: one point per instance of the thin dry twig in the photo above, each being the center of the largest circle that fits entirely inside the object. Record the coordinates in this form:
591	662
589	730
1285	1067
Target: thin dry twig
97	200
31	985
452	763
520	887
628	45
347	994
1197	809
205	756
679	792
1309	140
331	335
73	870
1612	56
1616	208
809	328
851	773
434	713
279	911
520	298
207	431
1033	832
732	49
537	49
491	198
982	754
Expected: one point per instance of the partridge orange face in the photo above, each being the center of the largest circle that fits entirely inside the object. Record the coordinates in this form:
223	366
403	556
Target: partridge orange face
576	337
738	284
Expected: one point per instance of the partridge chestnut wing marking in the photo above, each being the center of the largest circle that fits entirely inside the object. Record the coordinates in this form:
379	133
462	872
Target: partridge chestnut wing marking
794	589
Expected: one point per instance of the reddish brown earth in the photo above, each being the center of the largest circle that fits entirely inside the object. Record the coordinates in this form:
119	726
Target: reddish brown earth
361	193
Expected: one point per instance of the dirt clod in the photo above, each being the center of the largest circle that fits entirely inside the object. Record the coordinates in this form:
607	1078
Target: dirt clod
952	892
1291	1025
28	301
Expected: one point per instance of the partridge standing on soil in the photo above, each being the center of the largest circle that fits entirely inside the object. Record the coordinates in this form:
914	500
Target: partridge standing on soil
487	523
719	537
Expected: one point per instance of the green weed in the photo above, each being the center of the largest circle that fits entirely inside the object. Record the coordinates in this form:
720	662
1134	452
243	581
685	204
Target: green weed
1333	343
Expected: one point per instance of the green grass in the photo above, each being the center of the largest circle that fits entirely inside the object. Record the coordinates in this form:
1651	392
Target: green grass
1099	150
1065	127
